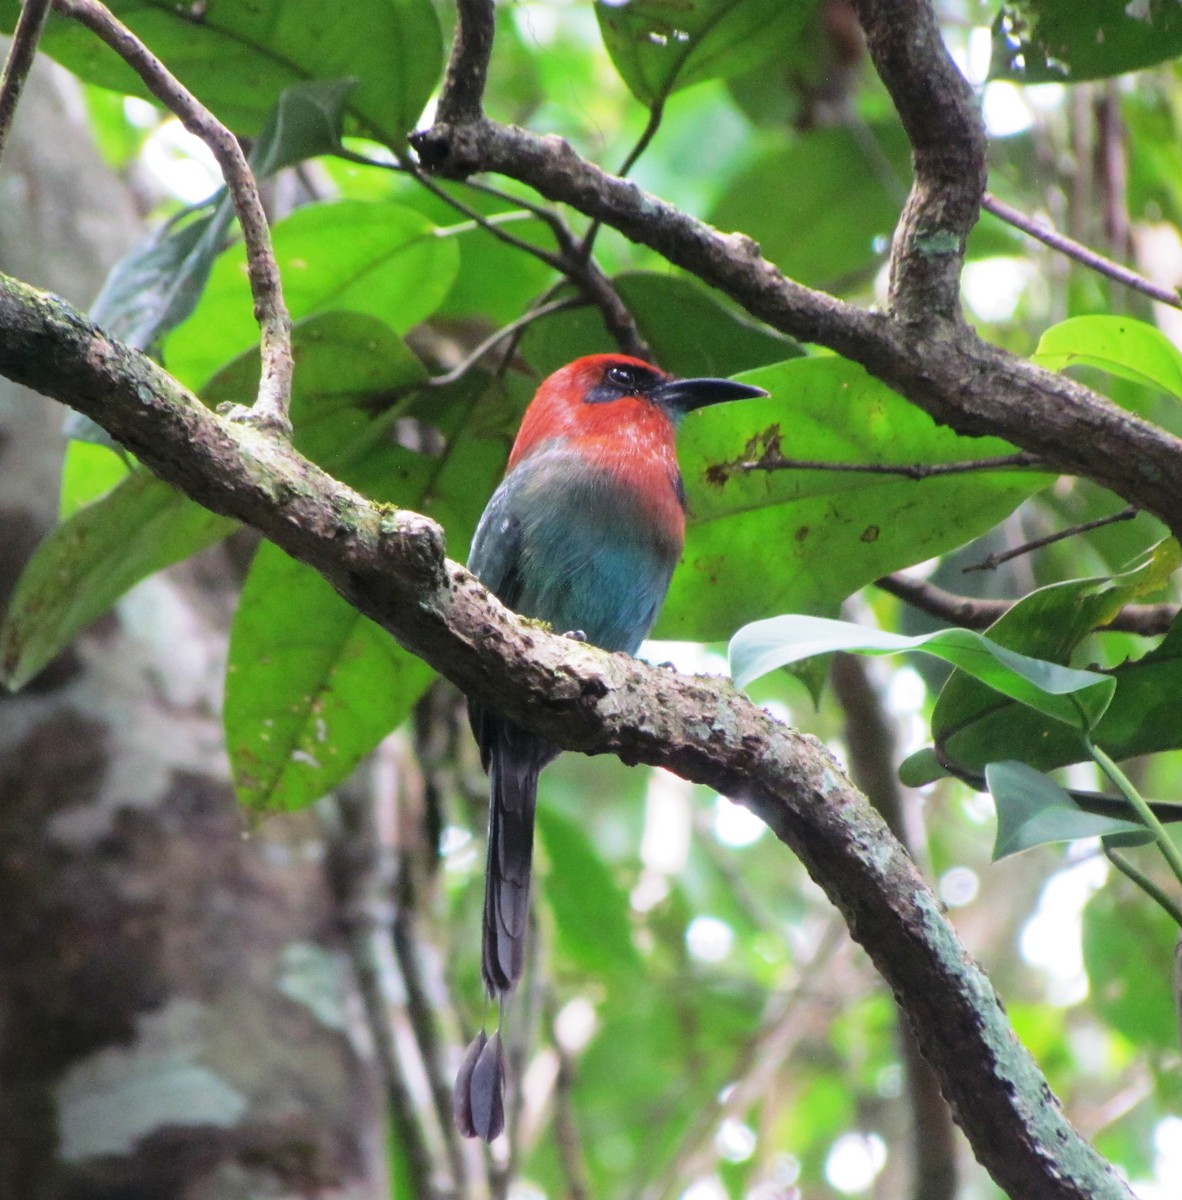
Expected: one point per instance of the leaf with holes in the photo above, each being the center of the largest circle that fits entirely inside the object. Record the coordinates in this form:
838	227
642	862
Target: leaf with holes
659	46
237	58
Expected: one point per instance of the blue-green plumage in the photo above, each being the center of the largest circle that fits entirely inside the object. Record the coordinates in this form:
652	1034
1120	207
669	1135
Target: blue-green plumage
583	533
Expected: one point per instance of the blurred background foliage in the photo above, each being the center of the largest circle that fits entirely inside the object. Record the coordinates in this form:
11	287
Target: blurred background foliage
695	1021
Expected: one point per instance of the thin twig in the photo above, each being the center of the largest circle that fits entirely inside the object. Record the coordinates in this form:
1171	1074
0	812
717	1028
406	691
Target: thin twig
995	560
971	612
274	394
572	261
534	314
630	159
21	53
1073	249
357	873
487	224
776	462
568	1138
421	1012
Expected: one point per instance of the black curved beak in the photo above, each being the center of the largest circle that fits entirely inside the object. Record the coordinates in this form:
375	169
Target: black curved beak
684	395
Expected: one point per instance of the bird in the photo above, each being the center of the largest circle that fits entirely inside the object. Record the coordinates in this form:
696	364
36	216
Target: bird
583	533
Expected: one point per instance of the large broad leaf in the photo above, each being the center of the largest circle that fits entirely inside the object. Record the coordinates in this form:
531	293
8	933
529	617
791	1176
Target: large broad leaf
689	331
1128	950
495	282
659	46
383	259
351	368
157	284
1142	719
237	57
1075	698
803	540
1037	41
598	937
1121	346
86	564
823	207
311	685
973	725
1033	810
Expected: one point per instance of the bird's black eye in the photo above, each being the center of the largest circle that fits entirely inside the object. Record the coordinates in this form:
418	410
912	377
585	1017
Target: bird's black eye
622	377
620	380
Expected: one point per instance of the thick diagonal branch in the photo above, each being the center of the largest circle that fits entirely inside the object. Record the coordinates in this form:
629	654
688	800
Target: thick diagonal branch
390	564
940	115
941	366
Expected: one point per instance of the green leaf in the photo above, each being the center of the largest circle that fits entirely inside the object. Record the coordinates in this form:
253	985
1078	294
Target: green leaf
689	331
972	725
1077	698
311	685
306	122
157	284
812	538
1128	950
824	206
1032	810
921	768
495	282
659	46
597	935
378	258
88	471
1121	346
237	58
351	369
1040	41
87	563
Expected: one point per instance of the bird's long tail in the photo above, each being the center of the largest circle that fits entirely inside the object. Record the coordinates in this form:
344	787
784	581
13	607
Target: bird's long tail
513	771
514	760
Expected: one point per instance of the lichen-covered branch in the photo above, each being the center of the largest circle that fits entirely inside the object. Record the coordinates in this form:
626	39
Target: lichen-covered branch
947	136
391	565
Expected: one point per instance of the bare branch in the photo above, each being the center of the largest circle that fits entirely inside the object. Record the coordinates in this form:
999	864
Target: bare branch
21	52
941	366
993	561
943	124
389	563
1148	620
467	69
776	462
534	314
873	747
1076	250
274	394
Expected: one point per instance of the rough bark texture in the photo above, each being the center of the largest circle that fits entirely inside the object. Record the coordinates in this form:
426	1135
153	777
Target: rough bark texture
175	1002
390	565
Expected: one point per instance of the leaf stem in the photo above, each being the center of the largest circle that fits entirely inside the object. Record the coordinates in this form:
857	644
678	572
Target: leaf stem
1143	881
1172	854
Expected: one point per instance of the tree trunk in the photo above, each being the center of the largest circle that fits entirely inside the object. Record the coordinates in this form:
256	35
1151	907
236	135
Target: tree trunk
177	1014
